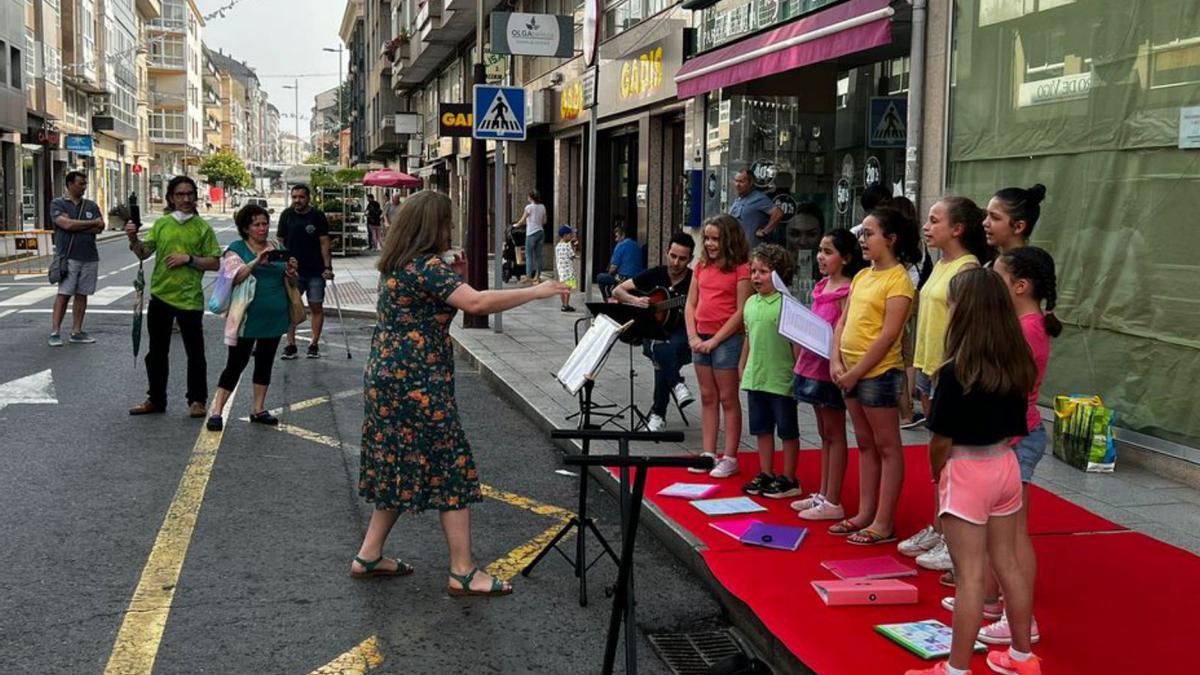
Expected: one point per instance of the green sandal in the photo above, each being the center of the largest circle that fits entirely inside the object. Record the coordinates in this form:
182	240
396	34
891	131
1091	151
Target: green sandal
403	569
497	588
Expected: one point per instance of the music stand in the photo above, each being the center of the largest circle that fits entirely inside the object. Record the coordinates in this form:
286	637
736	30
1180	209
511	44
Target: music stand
578	376
623	595
644	327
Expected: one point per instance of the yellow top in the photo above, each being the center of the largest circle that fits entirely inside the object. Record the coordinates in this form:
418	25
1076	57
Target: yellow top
869	292
933	315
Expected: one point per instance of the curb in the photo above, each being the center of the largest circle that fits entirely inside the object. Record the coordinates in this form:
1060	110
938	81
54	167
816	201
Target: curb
685	547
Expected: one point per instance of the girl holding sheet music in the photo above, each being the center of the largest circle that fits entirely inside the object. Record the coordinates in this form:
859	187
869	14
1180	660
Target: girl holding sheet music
839	258
867	366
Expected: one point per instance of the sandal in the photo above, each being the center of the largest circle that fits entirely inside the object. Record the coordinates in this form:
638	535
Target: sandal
844	528
403	569
498	587
869	537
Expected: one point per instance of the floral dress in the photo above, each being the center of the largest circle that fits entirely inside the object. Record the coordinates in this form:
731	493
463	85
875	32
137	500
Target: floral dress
415	455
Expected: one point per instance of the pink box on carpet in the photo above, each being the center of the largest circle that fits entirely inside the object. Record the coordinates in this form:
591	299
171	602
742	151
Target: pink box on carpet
841	592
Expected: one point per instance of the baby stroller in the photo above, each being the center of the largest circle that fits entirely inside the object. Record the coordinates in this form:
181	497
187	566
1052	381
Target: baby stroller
513	255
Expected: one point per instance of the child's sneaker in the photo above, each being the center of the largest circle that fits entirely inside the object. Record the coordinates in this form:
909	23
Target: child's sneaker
1000	633
938	668
1003	662
824	510
937	559
991	610
757	484
703	454
920	542
808	502
726	467
782	488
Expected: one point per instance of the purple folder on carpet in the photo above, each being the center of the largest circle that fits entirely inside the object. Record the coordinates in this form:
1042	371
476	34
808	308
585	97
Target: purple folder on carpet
782	537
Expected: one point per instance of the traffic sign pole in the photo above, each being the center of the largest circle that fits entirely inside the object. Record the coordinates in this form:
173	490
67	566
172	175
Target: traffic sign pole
476	244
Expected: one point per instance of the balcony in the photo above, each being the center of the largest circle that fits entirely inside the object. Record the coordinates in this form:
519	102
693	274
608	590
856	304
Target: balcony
149	9
161	25
165	63
168	137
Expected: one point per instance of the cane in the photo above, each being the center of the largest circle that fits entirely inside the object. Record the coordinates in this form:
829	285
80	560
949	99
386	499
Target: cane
338	303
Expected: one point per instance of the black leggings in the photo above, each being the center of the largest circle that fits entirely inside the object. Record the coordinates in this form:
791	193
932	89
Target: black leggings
239	356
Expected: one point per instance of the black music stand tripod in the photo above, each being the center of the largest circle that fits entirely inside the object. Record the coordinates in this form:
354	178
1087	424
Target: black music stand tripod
644	327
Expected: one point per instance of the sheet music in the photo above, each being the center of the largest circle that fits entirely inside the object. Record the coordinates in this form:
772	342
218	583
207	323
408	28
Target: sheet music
588	355
800	325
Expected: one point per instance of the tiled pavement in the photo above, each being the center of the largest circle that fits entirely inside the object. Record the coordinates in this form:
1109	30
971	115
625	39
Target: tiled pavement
537	338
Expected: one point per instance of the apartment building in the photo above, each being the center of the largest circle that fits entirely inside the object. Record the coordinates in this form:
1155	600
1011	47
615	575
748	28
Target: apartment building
292	150
177	119
15	79
352	141
324	123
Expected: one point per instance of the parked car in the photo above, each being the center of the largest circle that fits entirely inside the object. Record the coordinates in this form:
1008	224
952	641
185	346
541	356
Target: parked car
259	201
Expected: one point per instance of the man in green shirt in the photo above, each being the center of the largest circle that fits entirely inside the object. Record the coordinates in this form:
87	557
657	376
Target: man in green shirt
186	246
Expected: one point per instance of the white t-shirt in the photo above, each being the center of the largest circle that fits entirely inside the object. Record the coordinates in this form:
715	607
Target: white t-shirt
535	218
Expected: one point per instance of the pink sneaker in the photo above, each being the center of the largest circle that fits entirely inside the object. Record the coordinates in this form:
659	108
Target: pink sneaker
1000	634
808	502
823	510
1001	662
938	668
991	610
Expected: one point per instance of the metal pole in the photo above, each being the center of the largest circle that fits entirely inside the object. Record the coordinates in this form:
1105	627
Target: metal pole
296	93
476	244
501	223
590	235
916	104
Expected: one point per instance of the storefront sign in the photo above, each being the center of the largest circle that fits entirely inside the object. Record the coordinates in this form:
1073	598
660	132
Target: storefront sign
455	120
80	144
1189	128
645	76
532	34
872	172
887	126
495	68
1055	90
729	20
47	137
842	195
571	101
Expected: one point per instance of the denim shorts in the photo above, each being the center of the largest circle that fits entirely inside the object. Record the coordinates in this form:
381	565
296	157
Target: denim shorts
724	357
924	384
879	392
773	414
313	288
818	392
1029	452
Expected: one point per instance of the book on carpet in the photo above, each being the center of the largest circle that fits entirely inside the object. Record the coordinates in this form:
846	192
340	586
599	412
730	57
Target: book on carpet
927	639
735	527
879	567
689	490
843	592
782	537
727	506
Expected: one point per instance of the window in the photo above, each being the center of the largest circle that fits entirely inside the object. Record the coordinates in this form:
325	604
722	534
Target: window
16	69
30	60
52	60
77	108
3	63
167	126
167	52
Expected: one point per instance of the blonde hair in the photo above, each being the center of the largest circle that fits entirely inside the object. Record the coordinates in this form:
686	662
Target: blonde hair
984	338
422	228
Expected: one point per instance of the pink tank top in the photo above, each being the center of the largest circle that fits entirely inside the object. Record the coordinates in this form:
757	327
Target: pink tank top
828	306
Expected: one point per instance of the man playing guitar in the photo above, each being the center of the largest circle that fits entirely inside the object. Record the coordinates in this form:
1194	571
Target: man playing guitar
672	354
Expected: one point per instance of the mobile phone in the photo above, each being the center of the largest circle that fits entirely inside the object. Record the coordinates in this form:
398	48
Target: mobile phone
277	255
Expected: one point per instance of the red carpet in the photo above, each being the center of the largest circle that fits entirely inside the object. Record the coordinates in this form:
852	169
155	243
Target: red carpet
1096	583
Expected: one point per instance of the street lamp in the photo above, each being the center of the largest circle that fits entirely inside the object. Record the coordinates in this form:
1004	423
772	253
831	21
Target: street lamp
340	103
295	87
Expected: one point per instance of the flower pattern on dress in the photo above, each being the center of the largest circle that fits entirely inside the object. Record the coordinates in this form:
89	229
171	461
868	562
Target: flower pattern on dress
415	455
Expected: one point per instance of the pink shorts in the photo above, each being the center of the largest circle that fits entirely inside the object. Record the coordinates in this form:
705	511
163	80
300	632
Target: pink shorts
978	483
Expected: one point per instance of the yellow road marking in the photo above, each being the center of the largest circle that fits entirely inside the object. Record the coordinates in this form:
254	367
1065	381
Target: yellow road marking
510	565
525	503
365	656
141	631
314	402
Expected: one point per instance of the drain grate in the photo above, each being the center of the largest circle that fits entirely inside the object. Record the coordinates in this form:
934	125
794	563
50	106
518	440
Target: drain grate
694	653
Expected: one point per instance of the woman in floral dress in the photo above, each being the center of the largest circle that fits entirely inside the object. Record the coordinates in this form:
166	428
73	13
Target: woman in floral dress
415	455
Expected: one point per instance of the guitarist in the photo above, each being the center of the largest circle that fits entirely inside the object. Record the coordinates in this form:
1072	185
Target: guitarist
672	354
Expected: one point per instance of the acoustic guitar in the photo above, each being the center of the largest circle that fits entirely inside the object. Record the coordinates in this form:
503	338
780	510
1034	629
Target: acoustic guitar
666	306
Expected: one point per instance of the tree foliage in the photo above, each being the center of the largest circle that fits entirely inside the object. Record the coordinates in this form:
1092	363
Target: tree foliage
227	168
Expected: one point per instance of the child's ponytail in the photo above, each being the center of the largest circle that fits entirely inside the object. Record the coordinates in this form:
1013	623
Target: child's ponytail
1036	266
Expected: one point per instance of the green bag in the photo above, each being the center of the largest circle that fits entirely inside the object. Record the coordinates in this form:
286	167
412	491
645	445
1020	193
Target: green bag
1083	433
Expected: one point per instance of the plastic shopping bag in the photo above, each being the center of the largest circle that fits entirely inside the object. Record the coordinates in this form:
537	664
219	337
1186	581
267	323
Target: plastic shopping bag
1083	433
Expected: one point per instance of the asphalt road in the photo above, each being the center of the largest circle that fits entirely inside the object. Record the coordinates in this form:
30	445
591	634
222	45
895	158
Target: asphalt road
264	584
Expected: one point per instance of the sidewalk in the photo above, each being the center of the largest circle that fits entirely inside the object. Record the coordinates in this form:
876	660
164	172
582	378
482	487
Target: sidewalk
537	339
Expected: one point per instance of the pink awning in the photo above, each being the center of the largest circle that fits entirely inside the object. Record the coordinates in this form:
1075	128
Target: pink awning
844	29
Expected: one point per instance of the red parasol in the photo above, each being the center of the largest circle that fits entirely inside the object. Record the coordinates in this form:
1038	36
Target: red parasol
391	178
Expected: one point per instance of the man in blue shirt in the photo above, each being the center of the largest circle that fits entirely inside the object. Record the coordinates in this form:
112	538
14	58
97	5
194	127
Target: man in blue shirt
626	261
754	210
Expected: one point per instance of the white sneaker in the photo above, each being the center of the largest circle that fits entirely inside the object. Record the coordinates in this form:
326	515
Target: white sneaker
920	542
726	467
683	395
824	510
808	502
703	454
937	558
655	423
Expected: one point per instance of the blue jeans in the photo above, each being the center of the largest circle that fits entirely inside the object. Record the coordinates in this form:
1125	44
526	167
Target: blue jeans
607	282
533	254
668	356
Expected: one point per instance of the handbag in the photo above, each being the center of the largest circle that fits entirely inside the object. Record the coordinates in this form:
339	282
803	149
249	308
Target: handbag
296	312
1083	433
222	293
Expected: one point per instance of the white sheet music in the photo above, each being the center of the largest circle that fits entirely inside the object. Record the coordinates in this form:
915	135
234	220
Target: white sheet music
800	325
587	357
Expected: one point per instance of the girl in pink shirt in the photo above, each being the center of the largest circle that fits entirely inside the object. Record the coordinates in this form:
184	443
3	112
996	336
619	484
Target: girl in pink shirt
839	258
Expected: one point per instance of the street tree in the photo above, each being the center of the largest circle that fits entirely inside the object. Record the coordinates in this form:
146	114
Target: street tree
227	168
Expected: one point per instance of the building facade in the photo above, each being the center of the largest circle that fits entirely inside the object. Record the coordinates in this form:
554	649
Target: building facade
178	125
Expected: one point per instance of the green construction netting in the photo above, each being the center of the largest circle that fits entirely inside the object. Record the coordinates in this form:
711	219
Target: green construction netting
1085	97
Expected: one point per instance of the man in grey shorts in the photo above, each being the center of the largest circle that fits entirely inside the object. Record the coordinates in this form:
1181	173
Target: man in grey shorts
76	221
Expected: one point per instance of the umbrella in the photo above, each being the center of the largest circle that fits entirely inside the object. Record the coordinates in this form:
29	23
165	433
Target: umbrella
391	178
139	285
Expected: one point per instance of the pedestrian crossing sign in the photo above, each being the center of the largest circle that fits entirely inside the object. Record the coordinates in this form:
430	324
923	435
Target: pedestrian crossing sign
503	113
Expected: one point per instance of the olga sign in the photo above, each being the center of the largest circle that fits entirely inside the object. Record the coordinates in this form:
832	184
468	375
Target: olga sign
532	34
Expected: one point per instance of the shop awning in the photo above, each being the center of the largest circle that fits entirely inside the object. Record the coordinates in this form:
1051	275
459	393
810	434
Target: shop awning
843	29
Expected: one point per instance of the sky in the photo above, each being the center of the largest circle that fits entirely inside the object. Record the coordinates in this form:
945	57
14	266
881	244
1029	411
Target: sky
281	37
